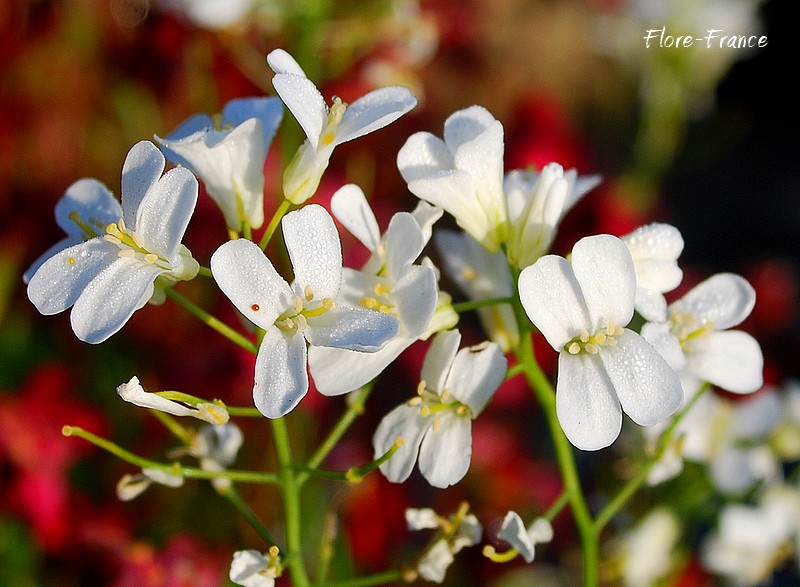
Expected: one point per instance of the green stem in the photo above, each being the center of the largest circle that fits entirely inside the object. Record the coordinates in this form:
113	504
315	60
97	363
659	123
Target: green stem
291	500
557	506
635	482
354	409
244	412
244	510
378	579
460	307
212	321
205	272
283	208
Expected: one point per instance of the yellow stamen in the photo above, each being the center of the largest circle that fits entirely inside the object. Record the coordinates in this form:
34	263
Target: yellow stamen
308	293
469	273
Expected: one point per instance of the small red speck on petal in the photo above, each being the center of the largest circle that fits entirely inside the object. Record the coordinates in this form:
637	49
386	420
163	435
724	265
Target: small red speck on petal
255	307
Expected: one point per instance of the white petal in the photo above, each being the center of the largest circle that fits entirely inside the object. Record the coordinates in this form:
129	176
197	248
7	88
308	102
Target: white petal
439	359
59	281
553	300
402	422
604	269
650	303
373	111
281	379
667	344
656	241
268	110
415	295
350	207
65	243
247	569
134	393
513	532
356	329
130	487
111	298
426	216
164	213
421	519
314	249
446	450
647	387
143	166
476	374
94	204
724	299
250	281
281	62
422	156
587	407
404	243
433	565
731	360
337	371
541	530
193	124
304	101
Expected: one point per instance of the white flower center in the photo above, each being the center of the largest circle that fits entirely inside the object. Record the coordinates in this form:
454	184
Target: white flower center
131	245
303	308
335	115
591	343
686	328
381	301
433	404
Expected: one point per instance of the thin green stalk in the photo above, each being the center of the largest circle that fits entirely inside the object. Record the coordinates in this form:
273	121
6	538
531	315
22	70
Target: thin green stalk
244	412
244	510
460	307
635	482
291	501
378	579
212	321
205	272
353	474
354	409
283	208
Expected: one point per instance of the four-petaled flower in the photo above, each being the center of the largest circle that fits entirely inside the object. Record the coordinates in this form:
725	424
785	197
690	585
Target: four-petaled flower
327	127
109	276
524	540
227	153
250	568
290	315
581	308
437	424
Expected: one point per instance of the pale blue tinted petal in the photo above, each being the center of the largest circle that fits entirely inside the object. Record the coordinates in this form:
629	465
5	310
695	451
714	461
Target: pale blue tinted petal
59	281
356	329
587	407
304	101
94	204
402	422
111	298
731	360
281	62
315	251
51	252
446	450
647	387
350	207
553	300
404	243
724	299
513	532
199	123
415	295
423	155
163	215
250	281
337	371
373	111
476	374
439	359
604	269
667	344
268	110
142	168
281	379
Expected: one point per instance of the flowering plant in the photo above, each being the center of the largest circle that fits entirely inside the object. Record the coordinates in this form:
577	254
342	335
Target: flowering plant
630	364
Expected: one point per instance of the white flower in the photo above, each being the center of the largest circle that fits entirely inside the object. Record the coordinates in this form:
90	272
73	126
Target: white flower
753	541
389	282
646	553
536	204
481	275
227	153
436	425
131	486
580	308
327	128
211	14
696	340
290	315
462	174
524	540
655	249
454	533
250	568
108	277
134	393
216	448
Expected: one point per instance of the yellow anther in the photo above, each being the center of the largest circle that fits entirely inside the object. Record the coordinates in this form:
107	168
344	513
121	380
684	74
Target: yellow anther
370	303
327	138
112	239
399	441
302	323
273	551
611	341
328	303
592	348
150	258
462	410
298	304
584	336
121	224
308	293
70	260
414	401
425	411
445	394
129	253
437	424
421	387
574	348
217	119
381	289
600	338
469	273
